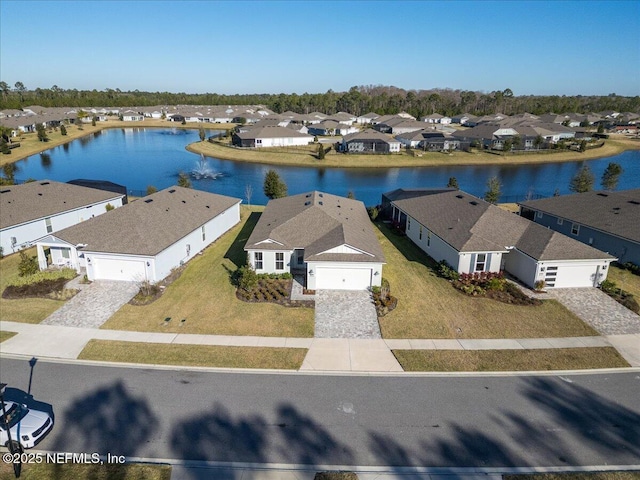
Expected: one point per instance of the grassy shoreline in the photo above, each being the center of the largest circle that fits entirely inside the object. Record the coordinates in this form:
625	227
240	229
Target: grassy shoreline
306	157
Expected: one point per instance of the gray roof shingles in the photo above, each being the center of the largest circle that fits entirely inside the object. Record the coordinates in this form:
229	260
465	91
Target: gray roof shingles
317	222
149	225
470	224
34	200
617	213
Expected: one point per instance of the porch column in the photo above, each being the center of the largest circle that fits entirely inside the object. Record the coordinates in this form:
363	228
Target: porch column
42	259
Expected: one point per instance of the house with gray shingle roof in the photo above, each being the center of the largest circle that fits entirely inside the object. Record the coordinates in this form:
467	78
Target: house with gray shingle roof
369	141
609	221
329	240
472	235
34	209
145	239
270	136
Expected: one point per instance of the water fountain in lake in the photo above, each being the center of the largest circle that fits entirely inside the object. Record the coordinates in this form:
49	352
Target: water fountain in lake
203	170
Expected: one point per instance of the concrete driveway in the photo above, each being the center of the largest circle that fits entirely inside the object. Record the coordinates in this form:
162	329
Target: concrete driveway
346	314
93	305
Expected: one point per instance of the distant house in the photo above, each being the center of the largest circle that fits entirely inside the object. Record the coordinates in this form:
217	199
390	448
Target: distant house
145	239
367	118
369	141
472	235
274	136
437	118
32	210
131	116
329	240
609	221
331	127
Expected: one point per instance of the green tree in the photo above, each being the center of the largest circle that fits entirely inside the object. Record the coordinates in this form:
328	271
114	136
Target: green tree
351	195
94	119
507	145
600	128
20	88
273	186
453	183
108	207
4	147
611	176
538	141
4	88
42	133
320	152
151	189
202	134
582	181
9	170
517	142
28	265
183	180
583	146
63	130
492	195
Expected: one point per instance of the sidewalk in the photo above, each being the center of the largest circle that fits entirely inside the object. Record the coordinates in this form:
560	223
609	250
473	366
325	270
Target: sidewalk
324	355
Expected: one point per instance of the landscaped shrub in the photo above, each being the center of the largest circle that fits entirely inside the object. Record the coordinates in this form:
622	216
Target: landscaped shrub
373	212
245	278
66	274
444	270
382	298
621	296
28	265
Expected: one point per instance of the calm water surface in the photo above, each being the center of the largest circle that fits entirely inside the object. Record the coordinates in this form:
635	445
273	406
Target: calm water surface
138	157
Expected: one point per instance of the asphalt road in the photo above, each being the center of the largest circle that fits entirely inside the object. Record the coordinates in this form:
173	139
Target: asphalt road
496	421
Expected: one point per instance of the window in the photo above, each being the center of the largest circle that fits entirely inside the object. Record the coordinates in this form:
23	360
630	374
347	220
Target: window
300	257
559	221
257	260
575	229
428	238
47	222
481	261
65	253
204	236
539	214
279	261
420	232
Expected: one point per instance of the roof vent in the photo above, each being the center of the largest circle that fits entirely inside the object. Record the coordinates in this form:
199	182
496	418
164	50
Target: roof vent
634	202
307	204
39	194
473	202
602	195
320	203
172	190
5	191
459	196
307	195
616	208
208	206
148	200
320	195
45	183
184	201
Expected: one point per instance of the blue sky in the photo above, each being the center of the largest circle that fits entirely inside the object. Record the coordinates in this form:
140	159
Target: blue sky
536	47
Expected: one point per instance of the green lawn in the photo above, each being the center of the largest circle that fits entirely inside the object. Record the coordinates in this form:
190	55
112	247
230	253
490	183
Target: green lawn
194	355
70	471
429	307
4	335
204	296
625	280
509	360
28	310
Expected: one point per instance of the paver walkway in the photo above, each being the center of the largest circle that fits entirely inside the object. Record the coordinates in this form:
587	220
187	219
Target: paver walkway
346	314
599	310
93	305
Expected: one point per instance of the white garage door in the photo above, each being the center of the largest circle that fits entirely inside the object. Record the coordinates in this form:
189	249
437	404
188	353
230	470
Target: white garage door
116	269
343	278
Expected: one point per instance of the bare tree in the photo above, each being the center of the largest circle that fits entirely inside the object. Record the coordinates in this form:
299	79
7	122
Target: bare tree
248	192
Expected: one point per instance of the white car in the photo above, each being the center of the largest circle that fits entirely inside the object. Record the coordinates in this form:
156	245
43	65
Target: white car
28	427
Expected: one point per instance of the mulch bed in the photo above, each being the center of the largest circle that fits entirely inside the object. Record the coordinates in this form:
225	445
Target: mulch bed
512	295
272	291
157	289
44	289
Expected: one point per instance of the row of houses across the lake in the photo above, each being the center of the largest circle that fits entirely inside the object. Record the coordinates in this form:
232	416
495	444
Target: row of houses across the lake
259	127
327	240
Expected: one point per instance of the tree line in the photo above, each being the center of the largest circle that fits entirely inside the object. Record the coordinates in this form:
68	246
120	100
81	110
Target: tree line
359	100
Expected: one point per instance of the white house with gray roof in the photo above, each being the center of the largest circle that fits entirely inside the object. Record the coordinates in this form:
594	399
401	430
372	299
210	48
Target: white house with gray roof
34	209
325	238
145	239
472	235
270	136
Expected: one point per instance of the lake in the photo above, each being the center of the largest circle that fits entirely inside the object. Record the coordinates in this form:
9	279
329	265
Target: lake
138	157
